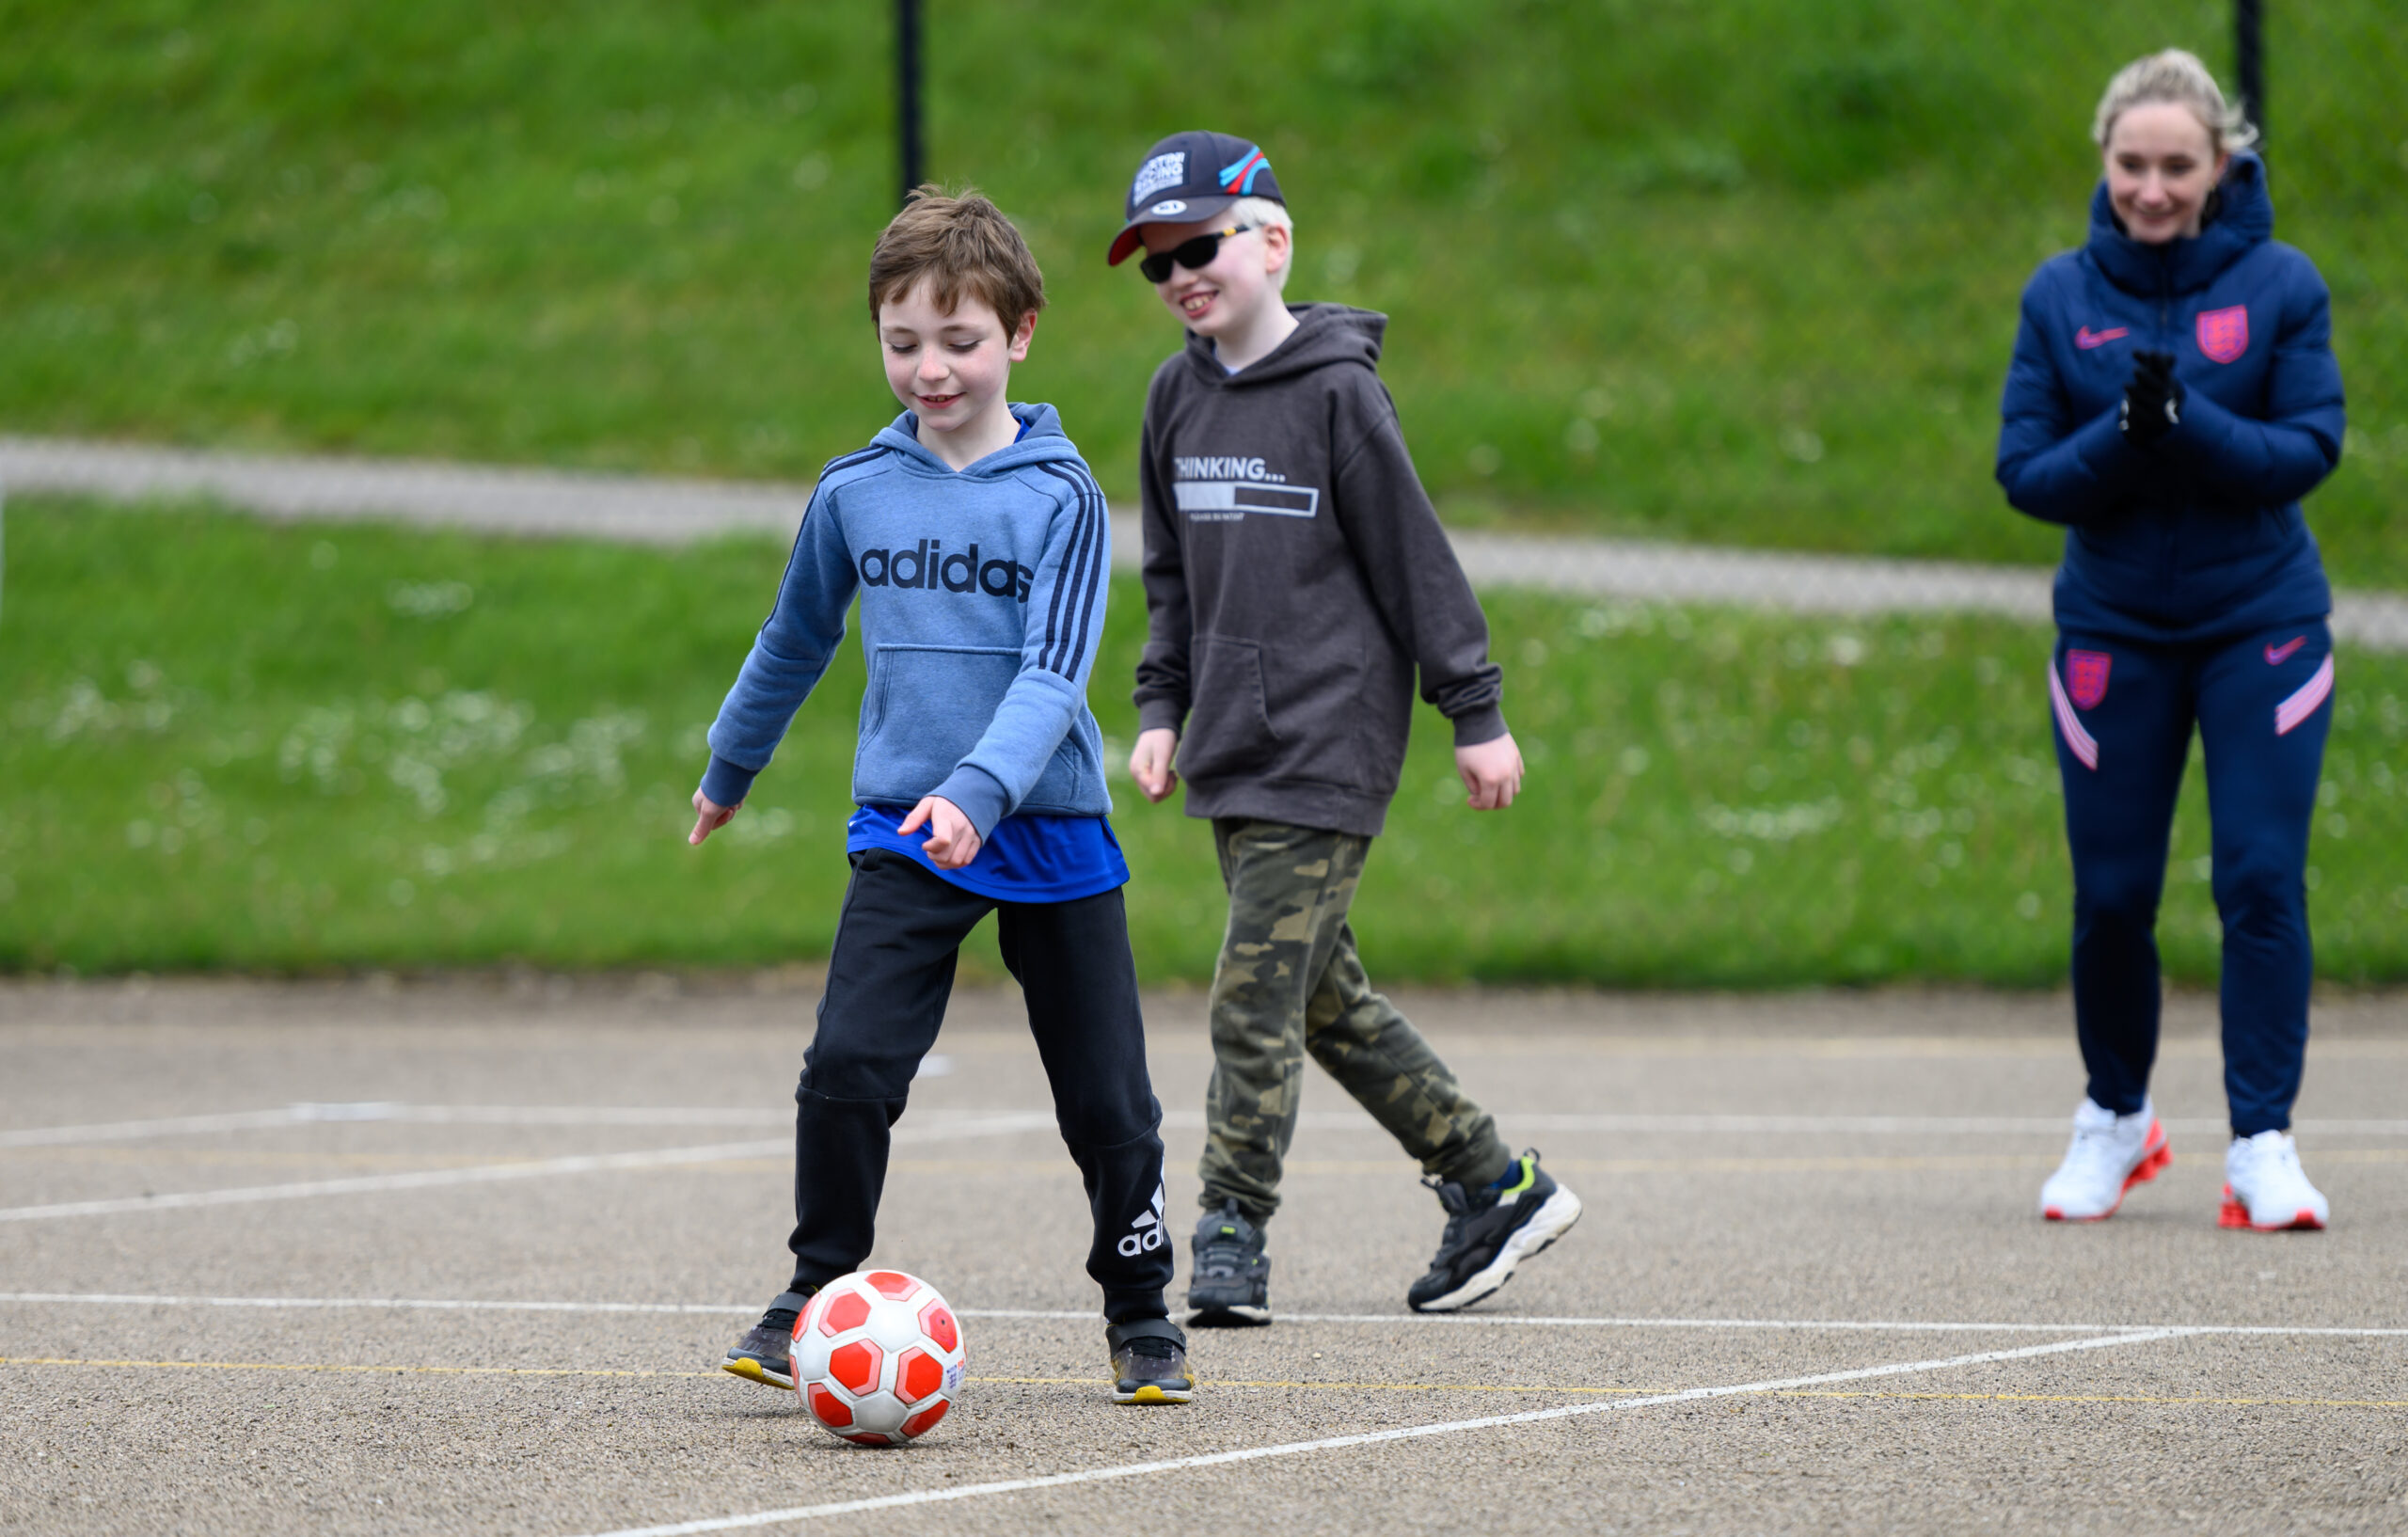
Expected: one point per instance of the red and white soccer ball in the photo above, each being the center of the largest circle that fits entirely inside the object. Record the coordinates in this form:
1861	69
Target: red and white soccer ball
878	1357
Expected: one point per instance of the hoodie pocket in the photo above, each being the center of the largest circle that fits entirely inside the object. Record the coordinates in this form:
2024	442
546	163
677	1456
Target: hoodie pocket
1322	713
925	708
1229	724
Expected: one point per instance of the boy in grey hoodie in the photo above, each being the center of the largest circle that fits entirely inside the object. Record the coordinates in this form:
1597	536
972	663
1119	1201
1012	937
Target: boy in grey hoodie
1296	578
978	544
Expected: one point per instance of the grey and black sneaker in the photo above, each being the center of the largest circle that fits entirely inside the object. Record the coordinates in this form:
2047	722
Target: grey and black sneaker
1230	1285
764	1354
1149	1362
1489	1231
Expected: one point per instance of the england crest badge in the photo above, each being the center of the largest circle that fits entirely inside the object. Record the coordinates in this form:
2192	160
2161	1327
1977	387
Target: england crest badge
2224	334
2086	677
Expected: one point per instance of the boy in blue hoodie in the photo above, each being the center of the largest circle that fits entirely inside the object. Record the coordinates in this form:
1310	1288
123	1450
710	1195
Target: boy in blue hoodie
978	544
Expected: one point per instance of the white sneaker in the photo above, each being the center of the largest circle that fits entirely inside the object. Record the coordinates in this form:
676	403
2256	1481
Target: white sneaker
2110	1154
2265	1188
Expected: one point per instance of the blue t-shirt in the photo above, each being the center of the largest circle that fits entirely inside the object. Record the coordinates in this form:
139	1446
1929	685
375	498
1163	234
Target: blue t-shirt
1028	858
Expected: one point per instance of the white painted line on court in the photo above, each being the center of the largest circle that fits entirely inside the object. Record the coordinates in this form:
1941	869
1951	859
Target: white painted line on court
133	1299
1091	1315
1408	1433
489	1173
384	1184
120	1131
549	1114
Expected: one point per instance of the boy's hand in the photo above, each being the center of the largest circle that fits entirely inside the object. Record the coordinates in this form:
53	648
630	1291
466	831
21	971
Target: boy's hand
1492	772
951	841
1149	762
709	816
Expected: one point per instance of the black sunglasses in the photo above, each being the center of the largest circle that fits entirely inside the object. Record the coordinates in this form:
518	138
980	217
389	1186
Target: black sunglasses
1194	255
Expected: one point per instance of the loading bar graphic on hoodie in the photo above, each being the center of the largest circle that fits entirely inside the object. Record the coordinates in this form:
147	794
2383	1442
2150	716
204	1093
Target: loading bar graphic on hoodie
1225	488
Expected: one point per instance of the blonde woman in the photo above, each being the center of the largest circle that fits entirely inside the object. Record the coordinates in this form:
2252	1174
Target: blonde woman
2173	396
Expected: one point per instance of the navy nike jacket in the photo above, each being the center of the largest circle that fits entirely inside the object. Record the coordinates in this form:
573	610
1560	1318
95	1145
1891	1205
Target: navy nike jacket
2198	537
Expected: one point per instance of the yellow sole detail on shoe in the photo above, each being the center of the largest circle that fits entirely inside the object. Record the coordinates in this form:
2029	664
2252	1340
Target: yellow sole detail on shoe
1152	1394
751	1372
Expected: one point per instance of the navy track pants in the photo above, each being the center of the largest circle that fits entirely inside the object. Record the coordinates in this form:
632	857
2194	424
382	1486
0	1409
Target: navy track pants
2125	711
888	975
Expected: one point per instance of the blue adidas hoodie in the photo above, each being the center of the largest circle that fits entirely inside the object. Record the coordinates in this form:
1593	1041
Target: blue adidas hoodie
2199	537
982	607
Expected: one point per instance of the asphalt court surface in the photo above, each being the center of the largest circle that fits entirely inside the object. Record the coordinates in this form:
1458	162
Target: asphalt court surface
460	1256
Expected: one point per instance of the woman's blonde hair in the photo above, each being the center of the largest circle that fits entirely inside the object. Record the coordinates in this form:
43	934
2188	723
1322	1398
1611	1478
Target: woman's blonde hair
2174	75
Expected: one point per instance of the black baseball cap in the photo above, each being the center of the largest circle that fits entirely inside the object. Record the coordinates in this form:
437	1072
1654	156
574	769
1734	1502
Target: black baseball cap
1192	176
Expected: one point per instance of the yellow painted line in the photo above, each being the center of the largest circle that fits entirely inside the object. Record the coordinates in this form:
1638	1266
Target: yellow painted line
2201	1046
323	1365
1833	1164
2167	1400
1347	1387
1021	1167
1955	1162
1457	1042
596	1372
1962	1163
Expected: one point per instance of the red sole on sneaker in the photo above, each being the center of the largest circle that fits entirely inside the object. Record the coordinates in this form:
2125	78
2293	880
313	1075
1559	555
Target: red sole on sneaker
2156	1158
2234	1215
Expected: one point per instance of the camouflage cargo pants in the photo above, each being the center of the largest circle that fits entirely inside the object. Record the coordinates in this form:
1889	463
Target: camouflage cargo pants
1288	983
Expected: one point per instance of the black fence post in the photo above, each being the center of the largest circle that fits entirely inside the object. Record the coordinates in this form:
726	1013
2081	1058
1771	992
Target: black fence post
2250	60
907	93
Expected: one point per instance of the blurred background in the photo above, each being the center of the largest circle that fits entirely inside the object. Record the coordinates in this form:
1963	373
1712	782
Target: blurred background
1717	272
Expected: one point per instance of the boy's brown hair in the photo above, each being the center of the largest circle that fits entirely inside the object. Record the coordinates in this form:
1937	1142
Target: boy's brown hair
963	244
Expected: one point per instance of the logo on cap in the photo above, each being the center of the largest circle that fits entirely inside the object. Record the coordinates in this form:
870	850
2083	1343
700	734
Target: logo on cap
1167	207
1239	178
1168	170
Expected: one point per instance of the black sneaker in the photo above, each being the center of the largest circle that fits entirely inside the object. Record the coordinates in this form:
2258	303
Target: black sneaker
764	1354
1149	1362
1491	1230
1230	1285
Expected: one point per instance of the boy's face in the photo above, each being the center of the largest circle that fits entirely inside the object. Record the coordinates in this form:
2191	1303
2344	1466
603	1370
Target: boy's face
949	370
1232	288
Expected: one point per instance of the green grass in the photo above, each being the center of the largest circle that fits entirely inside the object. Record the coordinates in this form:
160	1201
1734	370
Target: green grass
1742	272
230	744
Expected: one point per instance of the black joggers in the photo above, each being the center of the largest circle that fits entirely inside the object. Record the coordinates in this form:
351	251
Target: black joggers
887	979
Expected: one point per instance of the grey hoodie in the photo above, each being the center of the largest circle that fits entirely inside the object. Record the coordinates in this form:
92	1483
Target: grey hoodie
1295	577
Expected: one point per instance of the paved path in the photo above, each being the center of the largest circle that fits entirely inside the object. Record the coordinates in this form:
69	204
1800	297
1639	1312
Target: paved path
458	1256
651	510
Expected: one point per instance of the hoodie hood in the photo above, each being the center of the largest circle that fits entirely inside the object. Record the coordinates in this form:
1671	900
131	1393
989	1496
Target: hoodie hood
1041	441
1324	334
2244	219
